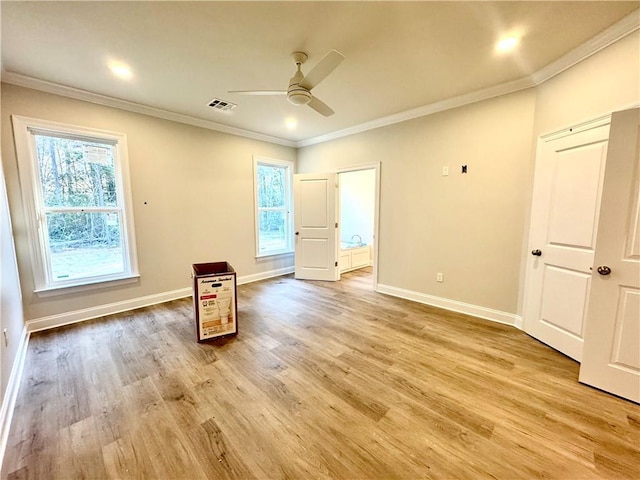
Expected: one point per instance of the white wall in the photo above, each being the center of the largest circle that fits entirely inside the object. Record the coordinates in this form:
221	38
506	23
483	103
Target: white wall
192	193
357	205
11	311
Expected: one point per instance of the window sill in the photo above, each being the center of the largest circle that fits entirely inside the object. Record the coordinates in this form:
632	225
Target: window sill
83	287
274	254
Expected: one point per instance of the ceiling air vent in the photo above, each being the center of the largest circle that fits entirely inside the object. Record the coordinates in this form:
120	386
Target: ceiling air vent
222	105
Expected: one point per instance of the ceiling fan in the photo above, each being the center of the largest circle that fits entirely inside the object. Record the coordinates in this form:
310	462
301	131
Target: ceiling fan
300	85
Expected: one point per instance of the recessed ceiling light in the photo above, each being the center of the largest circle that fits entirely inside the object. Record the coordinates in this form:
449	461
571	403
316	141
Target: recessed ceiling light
507	44
120	70
291	123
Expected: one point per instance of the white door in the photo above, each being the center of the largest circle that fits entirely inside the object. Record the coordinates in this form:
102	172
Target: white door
564	221
316	228
611	359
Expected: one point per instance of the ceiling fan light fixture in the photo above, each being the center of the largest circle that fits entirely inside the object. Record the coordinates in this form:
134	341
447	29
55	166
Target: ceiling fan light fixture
299	97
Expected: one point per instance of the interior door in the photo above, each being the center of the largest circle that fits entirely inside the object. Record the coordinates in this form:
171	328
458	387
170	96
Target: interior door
564	220
611	359
316	228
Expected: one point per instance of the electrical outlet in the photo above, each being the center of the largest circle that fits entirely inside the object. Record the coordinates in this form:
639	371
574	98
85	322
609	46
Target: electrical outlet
439	277
445	171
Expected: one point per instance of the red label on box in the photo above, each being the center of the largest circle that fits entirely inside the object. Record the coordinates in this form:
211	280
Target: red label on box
206	297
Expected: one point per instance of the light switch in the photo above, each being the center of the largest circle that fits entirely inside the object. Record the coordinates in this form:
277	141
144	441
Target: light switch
445	171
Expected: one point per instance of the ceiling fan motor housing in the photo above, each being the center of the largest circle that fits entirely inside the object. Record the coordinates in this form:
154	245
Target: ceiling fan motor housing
298	95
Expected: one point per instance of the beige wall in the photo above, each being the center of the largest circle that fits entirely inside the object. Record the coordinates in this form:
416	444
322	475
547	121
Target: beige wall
467	226
198	185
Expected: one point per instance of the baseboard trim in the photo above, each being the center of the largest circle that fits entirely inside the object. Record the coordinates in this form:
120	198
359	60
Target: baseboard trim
518	322
11	393
256	277
452	305
67	318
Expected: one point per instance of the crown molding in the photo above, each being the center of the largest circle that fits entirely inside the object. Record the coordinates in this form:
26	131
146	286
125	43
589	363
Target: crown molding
611	35
448	104
78	94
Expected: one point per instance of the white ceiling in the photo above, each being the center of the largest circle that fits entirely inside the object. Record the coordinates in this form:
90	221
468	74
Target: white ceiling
399	55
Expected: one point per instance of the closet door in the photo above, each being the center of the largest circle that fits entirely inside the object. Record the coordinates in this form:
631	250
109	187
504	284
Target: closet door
611	359
564	221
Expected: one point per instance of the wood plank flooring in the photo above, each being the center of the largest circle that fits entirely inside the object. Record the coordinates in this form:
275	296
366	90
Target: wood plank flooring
324	381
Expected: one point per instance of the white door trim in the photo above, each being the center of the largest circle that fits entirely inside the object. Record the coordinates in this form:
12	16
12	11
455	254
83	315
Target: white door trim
577	128
591	122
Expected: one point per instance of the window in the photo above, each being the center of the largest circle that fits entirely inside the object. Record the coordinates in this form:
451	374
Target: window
75	187
273	181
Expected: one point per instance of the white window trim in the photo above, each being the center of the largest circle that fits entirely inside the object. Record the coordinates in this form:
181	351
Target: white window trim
258	160
22	129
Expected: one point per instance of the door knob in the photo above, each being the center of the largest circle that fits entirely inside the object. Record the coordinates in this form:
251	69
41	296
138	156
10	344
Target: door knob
604	270
297	233
536	252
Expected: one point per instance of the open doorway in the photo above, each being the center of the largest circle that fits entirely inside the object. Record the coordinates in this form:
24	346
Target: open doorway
358	193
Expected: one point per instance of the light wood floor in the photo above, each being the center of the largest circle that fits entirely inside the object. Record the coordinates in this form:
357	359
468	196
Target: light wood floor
324	380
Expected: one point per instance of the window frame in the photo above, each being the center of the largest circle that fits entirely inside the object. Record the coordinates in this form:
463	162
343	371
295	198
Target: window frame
25	129
289	171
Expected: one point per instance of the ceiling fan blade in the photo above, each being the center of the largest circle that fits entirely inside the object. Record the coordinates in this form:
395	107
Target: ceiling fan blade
327	65
320	107
259	92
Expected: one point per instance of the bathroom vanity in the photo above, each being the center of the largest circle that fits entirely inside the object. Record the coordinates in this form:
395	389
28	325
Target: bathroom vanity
354	257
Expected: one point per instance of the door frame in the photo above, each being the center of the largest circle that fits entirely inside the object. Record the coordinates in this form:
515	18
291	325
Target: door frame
376	211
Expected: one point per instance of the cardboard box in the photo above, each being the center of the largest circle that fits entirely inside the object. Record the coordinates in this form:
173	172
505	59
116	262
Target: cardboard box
214	300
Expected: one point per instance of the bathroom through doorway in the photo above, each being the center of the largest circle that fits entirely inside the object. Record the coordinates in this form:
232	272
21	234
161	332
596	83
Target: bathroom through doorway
358	220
